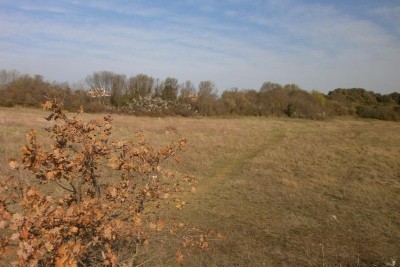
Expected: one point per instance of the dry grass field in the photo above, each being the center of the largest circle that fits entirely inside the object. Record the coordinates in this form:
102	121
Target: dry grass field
284	192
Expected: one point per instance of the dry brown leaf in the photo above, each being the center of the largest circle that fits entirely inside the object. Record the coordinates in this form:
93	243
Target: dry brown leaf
65	261
14	236
80	109
3	224
153	226
221	236
113	192
49	247
13	164
160	225
24	233
204	245
50	175
73	229
186	243
179	257
31	192
114	163
180	206
108	232
47	105
137	222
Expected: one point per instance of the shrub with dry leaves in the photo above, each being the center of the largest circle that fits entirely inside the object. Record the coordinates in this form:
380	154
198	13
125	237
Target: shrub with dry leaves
84	200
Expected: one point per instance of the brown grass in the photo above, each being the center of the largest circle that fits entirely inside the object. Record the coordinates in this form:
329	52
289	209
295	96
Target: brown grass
284	192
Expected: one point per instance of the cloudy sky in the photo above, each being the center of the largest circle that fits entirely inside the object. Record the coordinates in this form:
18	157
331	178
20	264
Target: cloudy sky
235	43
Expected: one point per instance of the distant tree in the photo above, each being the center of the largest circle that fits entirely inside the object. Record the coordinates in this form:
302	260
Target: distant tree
240	102
396	97
270	86
31	91
206	98
187	93
319	97
102	79
228	99
7	77
170	90
111	83
291	87
140	85
158	88
273	99
302	104
118	90
379	112
353	96
385	99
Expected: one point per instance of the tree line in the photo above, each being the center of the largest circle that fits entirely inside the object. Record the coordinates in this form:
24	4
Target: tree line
106	91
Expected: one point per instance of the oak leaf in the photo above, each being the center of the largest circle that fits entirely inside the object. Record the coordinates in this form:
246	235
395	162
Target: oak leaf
179	257
17	219
152	226
80	109
73	230
160	225
50	175
137	222
14	236
204	245
13	164
24	233
110	255
49	247
25	250
114	163
180	206
186	243
47	105
108	232
65	261
221	236
113	192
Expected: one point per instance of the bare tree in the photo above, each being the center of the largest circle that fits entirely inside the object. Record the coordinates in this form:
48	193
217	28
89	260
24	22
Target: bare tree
103	80
270	86
7	77
140	86
206	99
188	92
118	89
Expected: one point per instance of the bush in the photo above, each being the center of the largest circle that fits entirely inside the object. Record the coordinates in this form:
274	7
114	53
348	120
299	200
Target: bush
157	107
379	112
85	200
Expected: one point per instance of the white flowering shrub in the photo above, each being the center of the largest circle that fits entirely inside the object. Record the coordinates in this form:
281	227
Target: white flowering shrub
157	107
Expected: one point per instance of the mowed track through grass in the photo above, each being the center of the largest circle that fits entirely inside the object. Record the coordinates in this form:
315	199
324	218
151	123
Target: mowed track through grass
283	192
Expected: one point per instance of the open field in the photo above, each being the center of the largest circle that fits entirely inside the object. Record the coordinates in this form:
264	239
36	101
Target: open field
284	192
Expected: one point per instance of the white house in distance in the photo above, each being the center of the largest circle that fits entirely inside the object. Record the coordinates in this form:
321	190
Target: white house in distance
98	92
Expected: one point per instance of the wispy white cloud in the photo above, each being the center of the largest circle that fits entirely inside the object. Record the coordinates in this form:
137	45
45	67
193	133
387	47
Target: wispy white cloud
30	7
387	12
128	8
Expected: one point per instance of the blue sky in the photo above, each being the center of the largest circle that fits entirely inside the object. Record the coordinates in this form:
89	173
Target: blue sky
319	45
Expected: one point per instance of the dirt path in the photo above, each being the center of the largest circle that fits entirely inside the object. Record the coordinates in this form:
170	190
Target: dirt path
229	167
